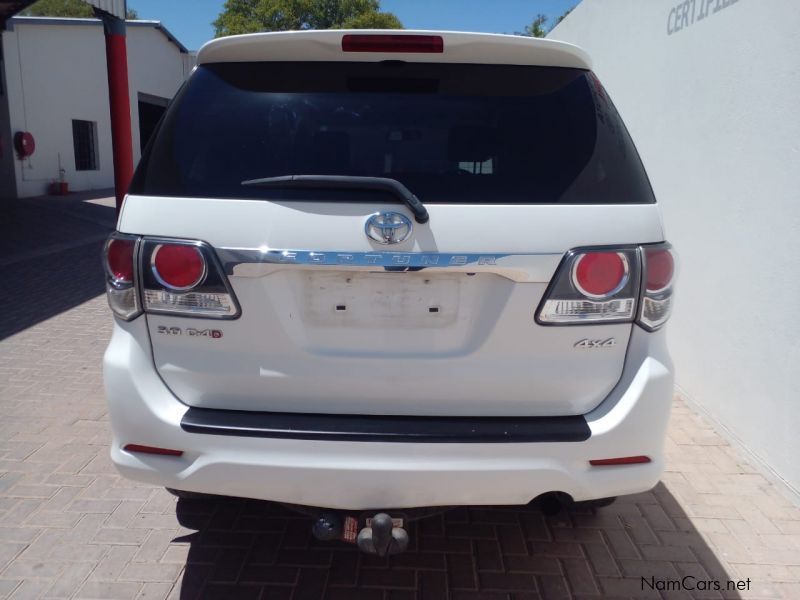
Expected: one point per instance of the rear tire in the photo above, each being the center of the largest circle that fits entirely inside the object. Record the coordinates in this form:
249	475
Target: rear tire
185	495
595	504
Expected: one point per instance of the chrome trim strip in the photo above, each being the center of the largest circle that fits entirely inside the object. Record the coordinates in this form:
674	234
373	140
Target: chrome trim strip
260	262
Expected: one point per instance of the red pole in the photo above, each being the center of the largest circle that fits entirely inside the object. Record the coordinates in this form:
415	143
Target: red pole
119	103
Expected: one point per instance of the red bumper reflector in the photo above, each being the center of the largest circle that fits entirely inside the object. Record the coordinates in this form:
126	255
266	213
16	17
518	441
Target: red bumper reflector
420	44
626	460
152	450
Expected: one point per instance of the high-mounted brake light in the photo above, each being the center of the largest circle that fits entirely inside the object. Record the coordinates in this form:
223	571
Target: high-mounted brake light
366	42
119	260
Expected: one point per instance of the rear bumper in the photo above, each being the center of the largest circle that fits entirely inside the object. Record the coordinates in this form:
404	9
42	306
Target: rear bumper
376	474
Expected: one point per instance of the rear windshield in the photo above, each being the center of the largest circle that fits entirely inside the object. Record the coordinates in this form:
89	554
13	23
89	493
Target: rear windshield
451	133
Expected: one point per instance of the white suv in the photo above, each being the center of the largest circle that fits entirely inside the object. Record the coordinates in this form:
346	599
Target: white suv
372	270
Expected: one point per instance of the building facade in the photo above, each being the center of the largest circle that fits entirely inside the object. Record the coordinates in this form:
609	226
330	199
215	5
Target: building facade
709	90
54	86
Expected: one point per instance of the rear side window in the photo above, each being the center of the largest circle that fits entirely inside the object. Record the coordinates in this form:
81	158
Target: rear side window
451	133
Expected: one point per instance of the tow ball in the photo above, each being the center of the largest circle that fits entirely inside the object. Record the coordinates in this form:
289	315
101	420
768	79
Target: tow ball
380	534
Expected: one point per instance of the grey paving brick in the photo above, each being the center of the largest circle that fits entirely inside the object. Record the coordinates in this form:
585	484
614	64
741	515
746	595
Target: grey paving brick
52	518
124	514
18	534
8	552
70	580
159	572
109	590
84	505
29	590
553	586
601	560
23	568
7	586
579	575
155	591
112	565
107	535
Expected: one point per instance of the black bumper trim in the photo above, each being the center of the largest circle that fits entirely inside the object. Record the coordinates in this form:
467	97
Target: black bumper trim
374	428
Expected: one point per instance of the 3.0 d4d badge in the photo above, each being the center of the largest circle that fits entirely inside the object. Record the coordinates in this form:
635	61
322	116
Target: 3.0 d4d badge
190	331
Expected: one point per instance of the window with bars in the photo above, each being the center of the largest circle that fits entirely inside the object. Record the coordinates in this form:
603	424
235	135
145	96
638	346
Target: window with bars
84	140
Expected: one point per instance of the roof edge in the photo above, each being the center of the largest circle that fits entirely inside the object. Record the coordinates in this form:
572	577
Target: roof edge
71	21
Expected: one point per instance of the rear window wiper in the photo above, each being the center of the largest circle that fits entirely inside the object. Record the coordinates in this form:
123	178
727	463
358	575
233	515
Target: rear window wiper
346	182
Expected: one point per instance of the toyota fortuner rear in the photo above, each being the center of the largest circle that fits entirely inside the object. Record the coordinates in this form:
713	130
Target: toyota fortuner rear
369	270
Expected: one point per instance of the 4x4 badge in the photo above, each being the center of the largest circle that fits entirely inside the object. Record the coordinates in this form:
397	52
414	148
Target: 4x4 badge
588	344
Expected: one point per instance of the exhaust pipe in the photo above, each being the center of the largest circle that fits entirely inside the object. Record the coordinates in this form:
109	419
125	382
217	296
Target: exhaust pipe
552	503
329	526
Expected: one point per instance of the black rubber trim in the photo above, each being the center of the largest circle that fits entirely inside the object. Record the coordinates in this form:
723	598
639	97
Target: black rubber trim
373	428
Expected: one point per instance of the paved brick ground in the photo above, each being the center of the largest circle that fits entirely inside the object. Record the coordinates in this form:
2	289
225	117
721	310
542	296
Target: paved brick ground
70	527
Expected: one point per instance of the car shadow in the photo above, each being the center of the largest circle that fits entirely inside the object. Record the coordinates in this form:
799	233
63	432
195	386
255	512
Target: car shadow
641	546
50	256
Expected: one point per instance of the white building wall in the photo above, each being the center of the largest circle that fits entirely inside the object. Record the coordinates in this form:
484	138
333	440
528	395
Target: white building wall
710	92
56	73
156	68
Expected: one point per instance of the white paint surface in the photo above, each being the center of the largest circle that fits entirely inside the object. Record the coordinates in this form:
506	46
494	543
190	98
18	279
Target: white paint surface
359	475
55	73
458	47
484	337
713	109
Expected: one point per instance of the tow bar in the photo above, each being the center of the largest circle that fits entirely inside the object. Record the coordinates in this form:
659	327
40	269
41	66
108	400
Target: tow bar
380	534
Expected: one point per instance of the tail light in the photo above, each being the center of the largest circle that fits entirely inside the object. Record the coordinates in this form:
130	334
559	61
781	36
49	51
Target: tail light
119	255
659	275
611	285
178	267
593	286
184	277
601	275
178	277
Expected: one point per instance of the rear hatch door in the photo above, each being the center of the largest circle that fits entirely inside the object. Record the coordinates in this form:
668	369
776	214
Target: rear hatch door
515	164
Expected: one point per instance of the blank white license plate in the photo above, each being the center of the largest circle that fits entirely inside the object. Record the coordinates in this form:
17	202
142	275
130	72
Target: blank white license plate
385	299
